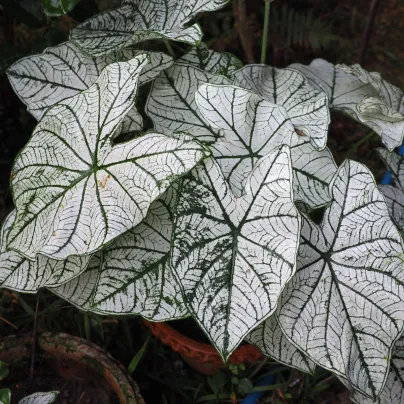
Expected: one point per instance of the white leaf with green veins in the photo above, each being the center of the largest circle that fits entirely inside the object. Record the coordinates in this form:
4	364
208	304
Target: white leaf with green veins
171	104
40	398
251	127
209	61
344	306
234	255
63	71
306	107
75	192
393	392
134	275
361	101
394	195
20	274
80	290
141	20
271	341
391	95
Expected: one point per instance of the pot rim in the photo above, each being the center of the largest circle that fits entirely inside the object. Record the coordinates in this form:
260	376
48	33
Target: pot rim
75	349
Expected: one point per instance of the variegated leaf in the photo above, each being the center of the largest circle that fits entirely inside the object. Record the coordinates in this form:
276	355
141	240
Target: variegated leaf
40	398
63	71
20	274
134	275
306	106
360	100
233	256
79	291
171	104
271	341
141	20
391	95
393	392
312	173
394	195
75	192
251	127
344	306
224	64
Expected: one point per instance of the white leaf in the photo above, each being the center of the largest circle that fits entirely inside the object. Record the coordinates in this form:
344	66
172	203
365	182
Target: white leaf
171	104
395	202
271	341
306	107
141	20
394	195
312	173
75	192
224	64
253	126
20	274
344	307
393	392
360	100
80	290
233	256
391	95
63	71
134	275
40	398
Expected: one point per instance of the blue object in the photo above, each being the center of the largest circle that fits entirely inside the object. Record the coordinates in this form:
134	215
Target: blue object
388	178
253	397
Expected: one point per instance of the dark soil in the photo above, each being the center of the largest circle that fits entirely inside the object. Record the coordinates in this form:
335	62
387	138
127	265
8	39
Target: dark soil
73	391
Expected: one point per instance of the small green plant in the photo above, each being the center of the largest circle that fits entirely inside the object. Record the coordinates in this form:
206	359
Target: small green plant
198	215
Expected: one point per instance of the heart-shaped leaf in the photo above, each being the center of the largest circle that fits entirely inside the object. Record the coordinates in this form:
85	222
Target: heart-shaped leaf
344	306
141	20
134	275
393	392
253	126
171	104
233	256
75	192
361	101
56	8
271	341
40	398
20	274
212	62
394	195
63	71
306	107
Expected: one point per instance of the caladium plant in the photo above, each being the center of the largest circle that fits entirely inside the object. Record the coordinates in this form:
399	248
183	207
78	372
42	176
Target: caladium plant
205	210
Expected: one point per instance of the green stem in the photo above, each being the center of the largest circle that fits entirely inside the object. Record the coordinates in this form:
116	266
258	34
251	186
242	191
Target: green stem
266	31
169	48
87	328
358	143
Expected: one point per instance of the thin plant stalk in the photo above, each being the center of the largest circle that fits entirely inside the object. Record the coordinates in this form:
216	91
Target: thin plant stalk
266	31
34	338
87	328
358	143
169	48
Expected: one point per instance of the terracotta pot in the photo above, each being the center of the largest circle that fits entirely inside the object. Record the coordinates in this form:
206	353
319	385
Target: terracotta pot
202	357
74	358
